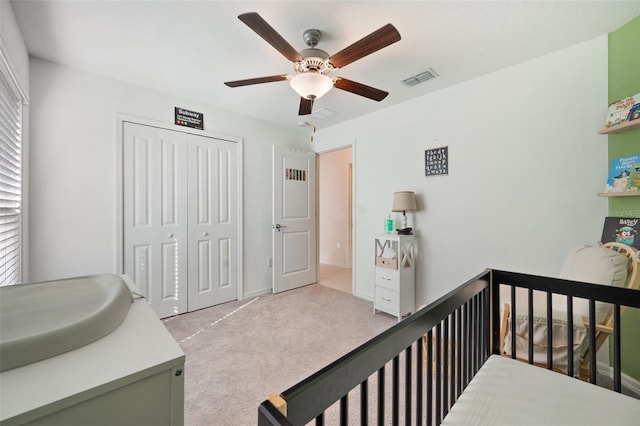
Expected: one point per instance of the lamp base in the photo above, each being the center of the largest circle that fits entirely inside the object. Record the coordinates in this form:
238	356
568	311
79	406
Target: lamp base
405	231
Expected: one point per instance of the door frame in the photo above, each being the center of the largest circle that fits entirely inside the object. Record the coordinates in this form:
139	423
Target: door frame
352	194
119	202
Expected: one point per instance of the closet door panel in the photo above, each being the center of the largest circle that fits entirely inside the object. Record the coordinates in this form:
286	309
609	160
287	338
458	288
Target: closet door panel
212	229
224	257
155	215
204	266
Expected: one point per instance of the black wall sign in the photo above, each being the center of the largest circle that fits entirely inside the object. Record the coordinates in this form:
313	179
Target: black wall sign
187	118
436	161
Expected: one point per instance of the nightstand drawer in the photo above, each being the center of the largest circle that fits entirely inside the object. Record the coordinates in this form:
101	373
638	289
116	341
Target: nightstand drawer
386	262
387	300
389	278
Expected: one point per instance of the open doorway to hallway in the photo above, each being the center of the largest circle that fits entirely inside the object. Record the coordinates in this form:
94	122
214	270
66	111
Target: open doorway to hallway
335	222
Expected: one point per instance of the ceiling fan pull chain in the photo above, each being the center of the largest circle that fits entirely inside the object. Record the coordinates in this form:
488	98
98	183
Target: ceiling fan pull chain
313	130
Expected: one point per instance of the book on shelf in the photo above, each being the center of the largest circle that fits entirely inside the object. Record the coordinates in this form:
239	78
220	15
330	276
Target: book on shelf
623	174
625	230
627	109
633	183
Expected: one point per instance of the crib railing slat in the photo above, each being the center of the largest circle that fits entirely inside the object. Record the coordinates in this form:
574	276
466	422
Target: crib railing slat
467	375
592	341
512	324
438	374
445	368
570	366
429	393
407	387
364	403
530	313
550	334
344	410
395	395
454	343
381	396
419	380
617	368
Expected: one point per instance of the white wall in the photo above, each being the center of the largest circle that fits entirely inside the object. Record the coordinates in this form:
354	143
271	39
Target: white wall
333	197
13	46
525	166
73	171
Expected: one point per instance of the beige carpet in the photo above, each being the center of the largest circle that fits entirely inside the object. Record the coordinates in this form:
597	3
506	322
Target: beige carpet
335	277
239	352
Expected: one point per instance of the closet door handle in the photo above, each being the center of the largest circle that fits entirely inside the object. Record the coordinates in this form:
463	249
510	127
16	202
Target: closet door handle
170	235
205	234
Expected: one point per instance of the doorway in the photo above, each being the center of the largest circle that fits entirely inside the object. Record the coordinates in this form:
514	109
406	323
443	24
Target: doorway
335	222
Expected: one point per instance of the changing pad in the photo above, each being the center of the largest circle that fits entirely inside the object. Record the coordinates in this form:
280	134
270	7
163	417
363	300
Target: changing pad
42	320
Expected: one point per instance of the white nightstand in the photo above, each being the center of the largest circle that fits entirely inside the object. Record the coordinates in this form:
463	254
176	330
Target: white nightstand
394	275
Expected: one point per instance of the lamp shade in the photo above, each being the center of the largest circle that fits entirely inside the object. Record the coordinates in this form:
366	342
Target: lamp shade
311	85
404	201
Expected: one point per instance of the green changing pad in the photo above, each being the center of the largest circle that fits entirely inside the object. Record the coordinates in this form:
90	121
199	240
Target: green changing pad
42	320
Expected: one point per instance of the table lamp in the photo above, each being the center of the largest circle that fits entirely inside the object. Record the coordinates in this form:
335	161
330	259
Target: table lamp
404	201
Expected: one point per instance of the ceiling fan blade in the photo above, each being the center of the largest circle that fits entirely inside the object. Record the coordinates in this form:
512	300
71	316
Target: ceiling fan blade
360	89
258	80
373	42
271	36
306	105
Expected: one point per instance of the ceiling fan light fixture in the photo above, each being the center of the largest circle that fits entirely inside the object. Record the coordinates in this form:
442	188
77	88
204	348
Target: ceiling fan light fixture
311	85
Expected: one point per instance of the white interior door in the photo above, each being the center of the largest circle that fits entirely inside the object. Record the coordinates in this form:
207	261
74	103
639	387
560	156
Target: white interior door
155	215
213	228
294	218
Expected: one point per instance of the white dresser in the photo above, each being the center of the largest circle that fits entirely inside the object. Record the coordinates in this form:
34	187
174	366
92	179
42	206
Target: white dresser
395	274
133	376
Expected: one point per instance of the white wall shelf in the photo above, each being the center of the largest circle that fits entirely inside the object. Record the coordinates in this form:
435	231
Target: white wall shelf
622	127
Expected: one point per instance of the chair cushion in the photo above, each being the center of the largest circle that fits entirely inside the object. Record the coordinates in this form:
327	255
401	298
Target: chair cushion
560	331
595	265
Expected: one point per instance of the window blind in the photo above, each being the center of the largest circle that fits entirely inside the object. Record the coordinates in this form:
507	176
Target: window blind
10	179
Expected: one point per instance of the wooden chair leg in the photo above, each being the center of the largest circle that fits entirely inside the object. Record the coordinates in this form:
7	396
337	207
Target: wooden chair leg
424	351
504	326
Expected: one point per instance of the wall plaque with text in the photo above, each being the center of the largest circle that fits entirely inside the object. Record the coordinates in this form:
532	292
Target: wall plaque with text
436	161
187	118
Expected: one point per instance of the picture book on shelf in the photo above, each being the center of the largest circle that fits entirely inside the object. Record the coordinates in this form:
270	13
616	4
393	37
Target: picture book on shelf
625	230
621	110
620	174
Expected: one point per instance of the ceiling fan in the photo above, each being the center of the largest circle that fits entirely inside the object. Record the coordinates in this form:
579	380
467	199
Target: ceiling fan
312	66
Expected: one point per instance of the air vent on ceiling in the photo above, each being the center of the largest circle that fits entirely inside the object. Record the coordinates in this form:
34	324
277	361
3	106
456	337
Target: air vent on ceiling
322	113
420	78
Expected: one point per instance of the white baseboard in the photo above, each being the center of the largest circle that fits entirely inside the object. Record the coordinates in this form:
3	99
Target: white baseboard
365	296
256	293
628	382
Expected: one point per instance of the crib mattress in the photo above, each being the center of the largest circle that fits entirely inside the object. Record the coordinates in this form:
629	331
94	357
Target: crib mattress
508	392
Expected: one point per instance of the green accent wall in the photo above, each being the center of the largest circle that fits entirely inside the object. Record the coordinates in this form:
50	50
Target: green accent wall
624	81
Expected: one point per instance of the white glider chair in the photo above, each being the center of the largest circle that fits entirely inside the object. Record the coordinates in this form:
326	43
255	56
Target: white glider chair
609	264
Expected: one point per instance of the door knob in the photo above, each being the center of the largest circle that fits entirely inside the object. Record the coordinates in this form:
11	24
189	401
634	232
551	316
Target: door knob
170	235
205	234
279	227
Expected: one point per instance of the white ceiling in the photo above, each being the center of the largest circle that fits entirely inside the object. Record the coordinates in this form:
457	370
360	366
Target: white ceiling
189	48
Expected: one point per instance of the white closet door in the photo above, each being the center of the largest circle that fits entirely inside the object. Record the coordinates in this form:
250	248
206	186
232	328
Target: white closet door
213	227
155	215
